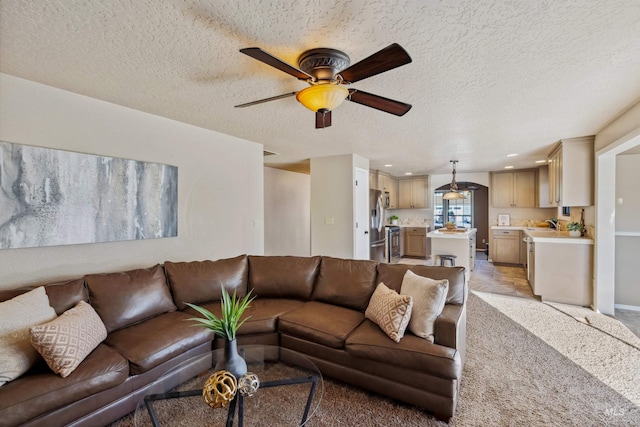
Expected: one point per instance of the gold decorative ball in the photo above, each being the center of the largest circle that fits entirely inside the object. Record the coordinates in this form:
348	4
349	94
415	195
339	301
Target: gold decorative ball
248	384
220	389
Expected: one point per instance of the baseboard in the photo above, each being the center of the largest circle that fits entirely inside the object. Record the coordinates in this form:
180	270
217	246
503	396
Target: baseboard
627	307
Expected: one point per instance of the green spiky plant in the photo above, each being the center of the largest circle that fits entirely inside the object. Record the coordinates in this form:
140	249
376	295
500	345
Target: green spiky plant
228	324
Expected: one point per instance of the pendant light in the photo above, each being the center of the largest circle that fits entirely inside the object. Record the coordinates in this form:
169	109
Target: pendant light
453	190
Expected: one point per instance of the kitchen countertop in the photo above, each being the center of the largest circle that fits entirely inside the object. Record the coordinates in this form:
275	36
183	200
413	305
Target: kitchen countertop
547	235
443	233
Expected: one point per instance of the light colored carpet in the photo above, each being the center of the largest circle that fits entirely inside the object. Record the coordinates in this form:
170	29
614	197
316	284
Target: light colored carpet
599	344
511	377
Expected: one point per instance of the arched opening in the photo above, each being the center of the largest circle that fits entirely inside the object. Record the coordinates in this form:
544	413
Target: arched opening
472	212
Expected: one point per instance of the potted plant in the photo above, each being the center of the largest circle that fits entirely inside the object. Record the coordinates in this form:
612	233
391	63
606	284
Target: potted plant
575	229
394	219
226	326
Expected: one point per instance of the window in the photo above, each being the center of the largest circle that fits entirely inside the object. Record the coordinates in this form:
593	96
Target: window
458	211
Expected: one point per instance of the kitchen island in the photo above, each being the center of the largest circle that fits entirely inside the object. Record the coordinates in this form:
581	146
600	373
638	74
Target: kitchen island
560	267
458	242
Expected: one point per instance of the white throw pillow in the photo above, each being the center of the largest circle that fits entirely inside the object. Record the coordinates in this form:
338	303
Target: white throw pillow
429	297
17	315
66	341
390	311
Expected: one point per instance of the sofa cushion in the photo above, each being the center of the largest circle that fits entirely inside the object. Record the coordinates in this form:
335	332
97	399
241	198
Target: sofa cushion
17	315
123	299
390	311
345	282
66	341
65	295
283	276
261	315
201	281
322	323
428	301
41	391
369	342
150	343
393	274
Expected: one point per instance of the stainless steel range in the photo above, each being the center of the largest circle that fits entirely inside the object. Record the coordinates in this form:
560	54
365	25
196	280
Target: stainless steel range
393	243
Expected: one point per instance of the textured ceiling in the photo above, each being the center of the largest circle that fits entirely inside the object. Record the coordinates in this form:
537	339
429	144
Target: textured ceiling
488	78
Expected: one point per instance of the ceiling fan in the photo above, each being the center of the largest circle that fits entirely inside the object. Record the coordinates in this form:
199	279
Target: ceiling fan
328	71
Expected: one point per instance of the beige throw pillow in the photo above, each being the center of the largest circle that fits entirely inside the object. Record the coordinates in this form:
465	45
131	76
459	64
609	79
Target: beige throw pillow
17	315
429	297
66	341
390	311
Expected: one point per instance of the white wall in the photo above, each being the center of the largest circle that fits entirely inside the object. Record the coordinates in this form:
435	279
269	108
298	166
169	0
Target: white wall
627	293
621	134
332	200
287	213
220	190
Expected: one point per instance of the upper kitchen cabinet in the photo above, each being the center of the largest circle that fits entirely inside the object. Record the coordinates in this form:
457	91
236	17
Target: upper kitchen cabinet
543	187
516	189
571	166
412	192
373	180
389	184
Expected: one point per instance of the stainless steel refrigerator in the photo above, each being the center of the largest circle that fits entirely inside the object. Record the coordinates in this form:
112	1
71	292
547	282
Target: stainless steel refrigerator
377	237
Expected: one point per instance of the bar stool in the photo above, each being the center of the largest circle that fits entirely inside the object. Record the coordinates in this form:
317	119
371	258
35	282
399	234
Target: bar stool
445	258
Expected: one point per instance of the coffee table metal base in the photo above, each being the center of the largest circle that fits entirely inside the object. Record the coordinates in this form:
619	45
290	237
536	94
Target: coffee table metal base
238	400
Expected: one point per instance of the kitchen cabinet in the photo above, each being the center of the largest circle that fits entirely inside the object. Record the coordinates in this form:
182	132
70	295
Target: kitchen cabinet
523	249
415	242
373	180
515	189
506	246
412	193
571	173
543	187
389	184
472	251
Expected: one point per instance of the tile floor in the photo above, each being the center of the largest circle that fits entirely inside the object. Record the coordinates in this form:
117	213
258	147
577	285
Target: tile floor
513	281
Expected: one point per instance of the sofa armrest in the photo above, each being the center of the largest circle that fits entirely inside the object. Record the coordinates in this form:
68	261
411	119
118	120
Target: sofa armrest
451	328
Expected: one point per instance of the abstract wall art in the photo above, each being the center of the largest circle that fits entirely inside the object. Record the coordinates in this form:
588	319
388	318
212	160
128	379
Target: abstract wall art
52	197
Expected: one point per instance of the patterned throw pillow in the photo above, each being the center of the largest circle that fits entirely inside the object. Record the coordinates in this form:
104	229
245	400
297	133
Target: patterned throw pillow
67	340
390	311
17	315
429	297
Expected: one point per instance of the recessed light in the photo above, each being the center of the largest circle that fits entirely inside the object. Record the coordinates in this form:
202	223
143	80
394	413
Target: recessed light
408	173
512	155
387	166
541	161
508	167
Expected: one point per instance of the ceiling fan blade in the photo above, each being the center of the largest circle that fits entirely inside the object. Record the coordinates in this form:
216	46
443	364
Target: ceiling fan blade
378	102
267	58
323	120
260	101
386	59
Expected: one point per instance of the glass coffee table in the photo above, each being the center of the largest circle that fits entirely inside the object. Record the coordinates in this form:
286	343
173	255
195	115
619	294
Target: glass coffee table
289	392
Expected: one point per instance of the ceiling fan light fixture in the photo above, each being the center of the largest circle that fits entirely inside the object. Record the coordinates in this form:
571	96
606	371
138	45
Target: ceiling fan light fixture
322	97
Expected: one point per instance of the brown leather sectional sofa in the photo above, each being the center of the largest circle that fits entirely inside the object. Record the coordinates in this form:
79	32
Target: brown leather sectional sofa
312	305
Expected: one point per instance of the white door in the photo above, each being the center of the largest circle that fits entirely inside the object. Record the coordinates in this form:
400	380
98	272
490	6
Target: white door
361	214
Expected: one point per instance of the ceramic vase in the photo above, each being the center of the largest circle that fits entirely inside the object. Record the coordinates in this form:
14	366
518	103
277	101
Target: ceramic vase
575	233
231	360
